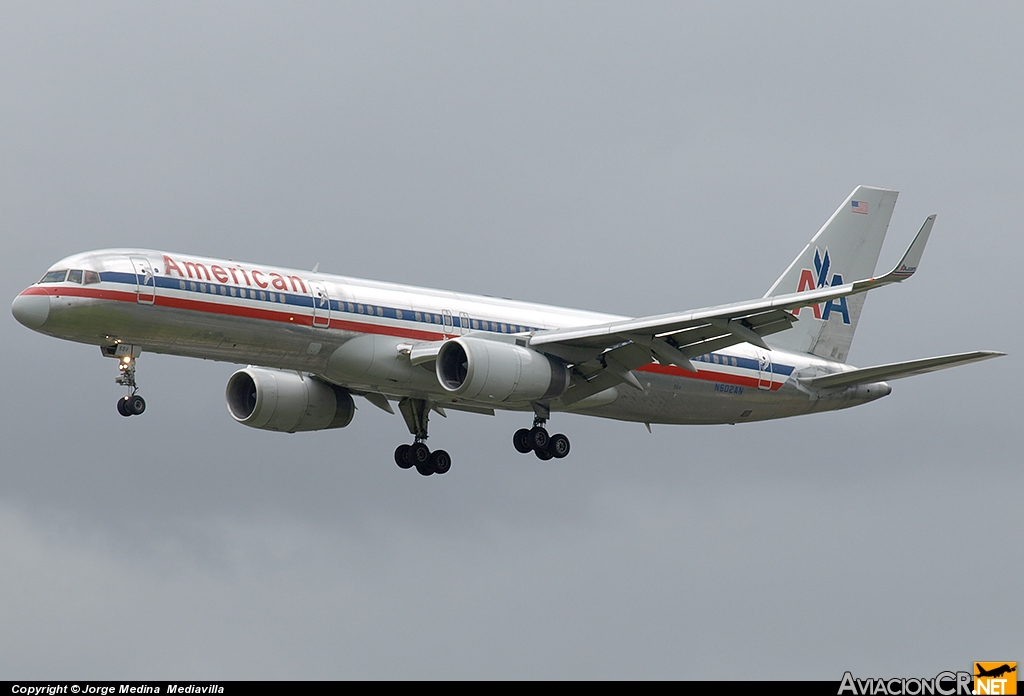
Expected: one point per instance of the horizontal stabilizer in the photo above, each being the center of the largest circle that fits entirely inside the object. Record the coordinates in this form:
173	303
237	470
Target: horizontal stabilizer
867	375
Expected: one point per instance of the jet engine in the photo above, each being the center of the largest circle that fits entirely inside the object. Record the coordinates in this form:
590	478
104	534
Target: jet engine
287	401
487	370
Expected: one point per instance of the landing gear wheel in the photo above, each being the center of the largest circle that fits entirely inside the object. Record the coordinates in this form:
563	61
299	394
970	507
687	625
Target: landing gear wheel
539	438
402	458
419	454
543	454
522	442
425	469
122	406
135	405
440	462
559	446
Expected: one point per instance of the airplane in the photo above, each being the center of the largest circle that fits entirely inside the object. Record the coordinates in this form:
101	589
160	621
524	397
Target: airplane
995	672
312	341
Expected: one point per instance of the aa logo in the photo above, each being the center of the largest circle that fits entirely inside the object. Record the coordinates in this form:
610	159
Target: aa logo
995	678
820	278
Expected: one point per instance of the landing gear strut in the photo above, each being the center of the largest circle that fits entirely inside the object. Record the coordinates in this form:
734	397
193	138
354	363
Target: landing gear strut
537	440
416	413
133	404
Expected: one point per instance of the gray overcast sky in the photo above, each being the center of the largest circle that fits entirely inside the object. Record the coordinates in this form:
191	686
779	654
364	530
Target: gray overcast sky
630	158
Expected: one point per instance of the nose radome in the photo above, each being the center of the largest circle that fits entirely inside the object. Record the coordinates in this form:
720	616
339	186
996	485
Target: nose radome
31	310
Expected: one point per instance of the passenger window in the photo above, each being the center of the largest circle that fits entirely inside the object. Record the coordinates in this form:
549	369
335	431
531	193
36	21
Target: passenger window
75	277
54	277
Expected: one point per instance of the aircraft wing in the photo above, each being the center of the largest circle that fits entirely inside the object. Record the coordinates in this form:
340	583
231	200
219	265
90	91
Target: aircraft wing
624	345
867	375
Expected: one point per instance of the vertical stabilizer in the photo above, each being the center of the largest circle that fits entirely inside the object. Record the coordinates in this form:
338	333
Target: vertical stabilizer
845	249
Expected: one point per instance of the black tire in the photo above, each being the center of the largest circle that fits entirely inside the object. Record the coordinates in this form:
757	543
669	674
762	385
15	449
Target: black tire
402	458
425	469
539	439
122	406
559	446
135	405
440	462
543	455
419	454
521	441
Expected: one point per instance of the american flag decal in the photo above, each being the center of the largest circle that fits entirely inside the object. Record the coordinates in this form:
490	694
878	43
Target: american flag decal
859	207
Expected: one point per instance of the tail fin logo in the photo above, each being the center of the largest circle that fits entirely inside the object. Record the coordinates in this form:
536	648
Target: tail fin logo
819	278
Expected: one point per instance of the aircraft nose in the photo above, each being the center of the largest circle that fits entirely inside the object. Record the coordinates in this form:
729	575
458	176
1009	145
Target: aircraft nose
31	310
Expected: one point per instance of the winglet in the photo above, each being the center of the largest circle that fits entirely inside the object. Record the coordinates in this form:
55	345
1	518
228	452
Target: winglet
910	261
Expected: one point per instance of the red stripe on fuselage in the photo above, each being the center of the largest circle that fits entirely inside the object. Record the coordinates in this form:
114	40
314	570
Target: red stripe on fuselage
707	375
285	317
94	293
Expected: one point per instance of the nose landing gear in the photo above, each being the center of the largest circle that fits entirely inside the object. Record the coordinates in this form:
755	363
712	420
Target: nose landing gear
133	404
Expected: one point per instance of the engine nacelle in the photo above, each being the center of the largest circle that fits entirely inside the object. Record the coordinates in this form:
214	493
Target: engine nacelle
486	370
286	401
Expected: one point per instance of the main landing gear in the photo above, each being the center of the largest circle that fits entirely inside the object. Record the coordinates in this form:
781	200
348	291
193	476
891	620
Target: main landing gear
426	462
133	404
416	412
537	440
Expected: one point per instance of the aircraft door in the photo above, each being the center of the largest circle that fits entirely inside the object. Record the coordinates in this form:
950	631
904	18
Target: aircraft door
449	325
463	323
764	370
145	280
321	304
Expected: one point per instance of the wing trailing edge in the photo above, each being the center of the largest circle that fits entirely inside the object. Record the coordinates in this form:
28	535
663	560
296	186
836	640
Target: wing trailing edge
702	330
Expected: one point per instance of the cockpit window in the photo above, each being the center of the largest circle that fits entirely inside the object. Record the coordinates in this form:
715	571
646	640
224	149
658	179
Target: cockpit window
91	277
54	277
75	276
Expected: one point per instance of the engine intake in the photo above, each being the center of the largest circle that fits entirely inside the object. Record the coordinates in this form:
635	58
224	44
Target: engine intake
485	370
286	401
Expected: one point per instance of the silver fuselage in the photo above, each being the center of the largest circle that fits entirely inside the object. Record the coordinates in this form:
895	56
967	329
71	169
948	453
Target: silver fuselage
310	322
